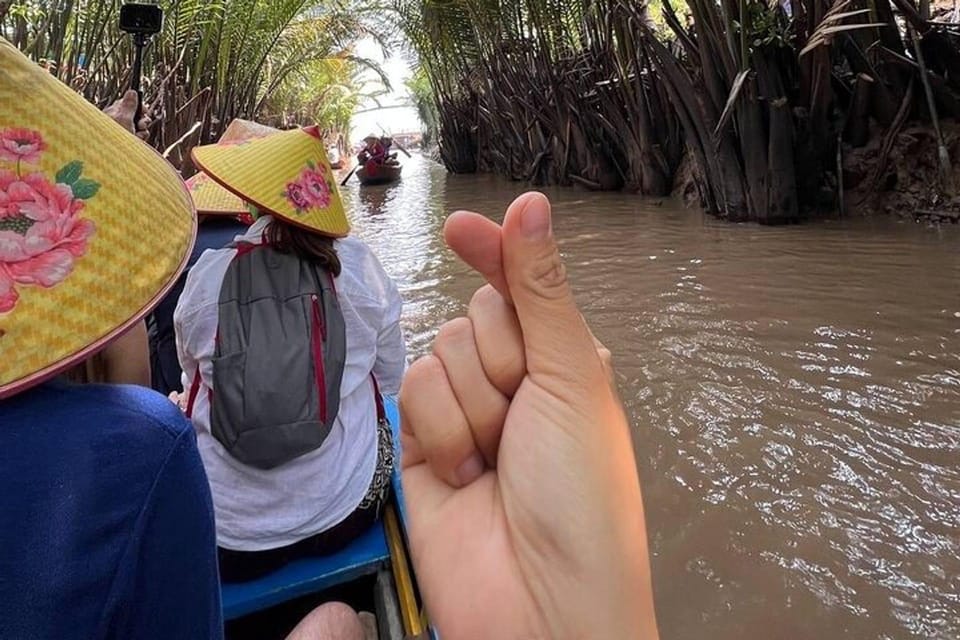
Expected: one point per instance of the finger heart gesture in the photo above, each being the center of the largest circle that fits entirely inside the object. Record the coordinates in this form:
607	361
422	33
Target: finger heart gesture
526	519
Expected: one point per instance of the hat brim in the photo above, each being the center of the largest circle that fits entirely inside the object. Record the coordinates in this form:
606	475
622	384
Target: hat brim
71	361
123	227
239	130
210	198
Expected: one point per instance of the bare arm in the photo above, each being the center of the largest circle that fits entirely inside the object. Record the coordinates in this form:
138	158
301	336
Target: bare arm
127	358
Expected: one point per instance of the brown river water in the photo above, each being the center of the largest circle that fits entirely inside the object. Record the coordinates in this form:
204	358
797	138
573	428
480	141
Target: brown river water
794	392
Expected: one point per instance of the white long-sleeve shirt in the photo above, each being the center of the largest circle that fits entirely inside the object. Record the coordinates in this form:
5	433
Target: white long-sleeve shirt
259	509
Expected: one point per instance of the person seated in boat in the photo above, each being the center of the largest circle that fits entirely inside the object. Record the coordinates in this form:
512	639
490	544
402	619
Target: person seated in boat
372	152
386	142
222	217
283	340
213	232
107	519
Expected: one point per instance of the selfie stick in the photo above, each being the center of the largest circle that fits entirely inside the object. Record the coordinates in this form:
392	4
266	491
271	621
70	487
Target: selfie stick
140	41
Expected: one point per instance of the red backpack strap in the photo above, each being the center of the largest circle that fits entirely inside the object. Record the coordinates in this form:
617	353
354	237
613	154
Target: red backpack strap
246	247
381	413
194	390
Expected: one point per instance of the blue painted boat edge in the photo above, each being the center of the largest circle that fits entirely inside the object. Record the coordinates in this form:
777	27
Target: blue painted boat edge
245	598
393	415
364	557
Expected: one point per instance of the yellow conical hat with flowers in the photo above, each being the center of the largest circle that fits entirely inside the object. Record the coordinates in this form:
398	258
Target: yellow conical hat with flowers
285	174
212	199
95	226
208	196
240	130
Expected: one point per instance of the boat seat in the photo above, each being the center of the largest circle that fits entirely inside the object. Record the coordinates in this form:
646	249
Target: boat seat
364	556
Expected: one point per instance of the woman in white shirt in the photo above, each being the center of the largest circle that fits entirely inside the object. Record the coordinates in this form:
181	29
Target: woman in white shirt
317	502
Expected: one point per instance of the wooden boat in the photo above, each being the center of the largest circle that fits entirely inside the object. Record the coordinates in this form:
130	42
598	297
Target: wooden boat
373	573
385	174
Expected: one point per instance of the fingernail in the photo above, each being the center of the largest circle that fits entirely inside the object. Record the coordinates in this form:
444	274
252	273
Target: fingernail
470	470
535	219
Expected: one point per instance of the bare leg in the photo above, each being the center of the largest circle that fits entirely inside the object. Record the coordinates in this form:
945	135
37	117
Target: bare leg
330	621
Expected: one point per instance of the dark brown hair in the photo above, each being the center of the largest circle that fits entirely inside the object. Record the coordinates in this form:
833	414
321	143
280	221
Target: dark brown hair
304	244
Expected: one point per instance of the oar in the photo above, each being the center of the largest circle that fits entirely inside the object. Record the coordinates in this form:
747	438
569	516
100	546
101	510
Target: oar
399	146
343	182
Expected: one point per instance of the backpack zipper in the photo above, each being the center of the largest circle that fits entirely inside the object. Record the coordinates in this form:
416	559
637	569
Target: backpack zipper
318	335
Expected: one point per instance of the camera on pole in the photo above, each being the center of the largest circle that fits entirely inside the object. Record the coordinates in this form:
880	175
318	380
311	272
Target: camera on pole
142	22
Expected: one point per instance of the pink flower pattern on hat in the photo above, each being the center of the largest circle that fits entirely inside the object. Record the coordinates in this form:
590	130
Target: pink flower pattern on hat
311	190
318	189
21	145
296	193
41	231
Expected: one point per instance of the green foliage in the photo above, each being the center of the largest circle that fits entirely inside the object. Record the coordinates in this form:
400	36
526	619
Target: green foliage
324	91
421	93
215	60
543	90
764	91
769	26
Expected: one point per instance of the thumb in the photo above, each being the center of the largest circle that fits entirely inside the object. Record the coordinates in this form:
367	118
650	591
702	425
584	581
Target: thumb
130	100
560	349
126	109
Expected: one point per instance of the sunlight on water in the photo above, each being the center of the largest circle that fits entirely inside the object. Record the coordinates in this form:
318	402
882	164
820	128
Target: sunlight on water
795	394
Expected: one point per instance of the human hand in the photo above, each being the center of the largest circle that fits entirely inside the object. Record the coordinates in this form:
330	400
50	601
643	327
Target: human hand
526	519
124	110
178	399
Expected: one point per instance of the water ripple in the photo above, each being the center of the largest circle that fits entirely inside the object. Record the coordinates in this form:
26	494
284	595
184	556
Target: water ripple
795	394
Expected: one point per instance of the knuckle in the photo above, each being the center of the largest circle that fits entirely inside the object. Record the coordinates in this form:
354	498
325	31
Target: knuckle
421	373
455	330
549	275
605	356
484	297
452	336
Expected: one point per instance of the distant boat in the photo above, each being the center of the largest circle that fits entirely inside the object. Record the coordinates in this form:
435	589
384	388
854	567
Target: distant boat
383	174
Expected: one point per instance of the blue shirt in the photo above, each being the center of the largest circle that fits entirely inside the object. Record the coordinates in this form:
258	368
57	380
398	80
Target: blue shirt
214	233
107	525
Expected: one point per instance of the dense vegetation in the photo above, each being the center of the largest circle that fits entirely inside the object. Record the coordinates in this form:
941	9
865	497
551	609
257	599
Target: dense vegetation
762	98
280	61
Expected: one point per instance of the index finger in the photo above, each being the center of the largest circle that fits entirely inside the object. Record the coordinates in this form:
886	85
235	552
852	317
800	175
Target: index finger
476	239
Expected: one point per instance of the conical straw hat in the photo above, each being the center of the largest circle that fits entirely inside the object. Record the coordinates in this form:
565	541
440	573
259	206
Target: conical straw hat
285	174
95	226
211	199
240	130
208	196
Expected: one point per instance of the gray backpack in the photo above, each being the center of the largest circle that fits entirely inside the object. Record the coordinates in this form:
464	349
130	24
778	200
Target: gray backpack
279	357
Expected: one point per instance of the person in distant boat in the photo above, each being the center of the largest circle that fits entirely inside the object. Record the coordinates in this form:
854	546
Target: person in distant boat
525	514
386	142
372	152
108	523
286	340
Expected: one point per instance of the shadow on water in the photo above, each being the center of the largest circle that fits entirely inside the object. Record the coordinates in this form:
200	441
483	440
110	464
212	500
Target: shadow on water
795	395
